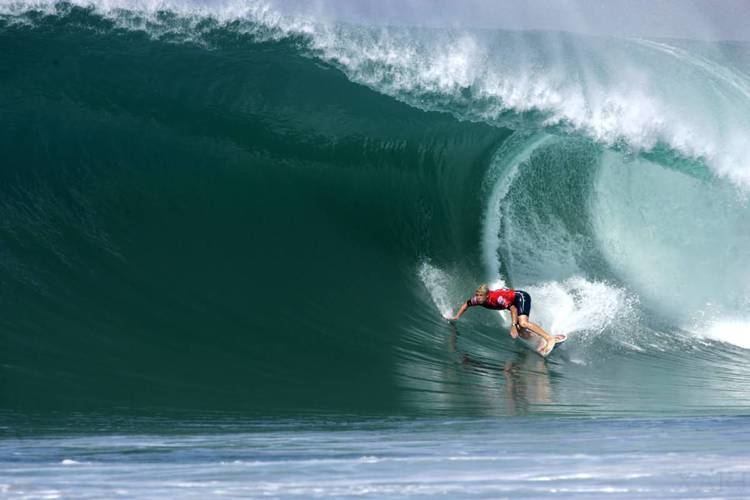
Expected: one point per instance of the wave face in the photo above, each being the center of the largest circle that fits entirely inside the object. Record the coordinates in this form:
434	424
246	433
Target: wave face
231	208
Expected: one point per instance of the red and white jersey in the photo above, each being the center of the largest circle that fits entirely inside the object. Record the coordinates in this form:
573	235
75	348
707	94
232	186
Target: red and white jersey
496	299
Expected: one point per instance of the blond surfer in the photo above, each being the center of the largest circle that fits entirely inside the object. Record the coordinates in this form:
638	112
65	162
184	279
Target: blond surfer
519	304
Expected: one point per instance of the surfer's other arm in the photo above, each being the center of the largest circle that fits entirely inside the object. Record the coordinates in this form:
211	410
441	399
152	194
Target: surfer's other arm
513	321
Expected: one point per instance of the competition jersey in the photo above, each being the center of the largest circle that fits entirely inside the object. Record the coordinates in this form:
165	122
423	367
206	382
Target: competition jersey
496	299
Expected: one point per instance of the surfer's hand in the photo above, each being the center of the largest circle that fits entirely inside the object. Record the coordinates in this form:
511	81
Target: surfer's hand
513	332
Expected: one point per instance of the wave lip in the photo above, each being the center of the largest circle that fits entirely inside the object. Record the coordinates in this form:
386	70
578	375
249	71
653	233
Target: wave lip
617	94
639	94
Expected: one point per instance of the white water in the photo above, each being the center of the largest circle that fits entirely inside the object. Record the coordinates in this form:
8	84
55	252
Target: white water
682	244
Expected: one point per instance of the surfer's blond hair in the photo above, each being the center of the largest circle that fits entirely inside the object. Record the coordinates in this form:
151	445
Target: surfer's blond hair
482	290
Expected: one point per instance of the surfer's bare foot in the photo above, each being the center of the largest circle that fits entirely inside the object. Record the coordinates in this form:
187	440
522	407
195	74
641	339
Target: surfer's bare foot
546	346
560	338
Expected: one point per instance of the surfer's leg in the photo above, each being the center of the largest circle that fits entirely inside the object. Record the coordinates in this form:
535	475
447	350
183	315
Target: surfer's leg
524	322
538	329
522	301
527	325
523	305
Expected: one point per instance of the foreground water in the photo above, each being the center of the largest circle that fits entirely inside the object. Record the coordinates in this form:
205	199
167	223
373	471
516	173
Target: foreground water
167	457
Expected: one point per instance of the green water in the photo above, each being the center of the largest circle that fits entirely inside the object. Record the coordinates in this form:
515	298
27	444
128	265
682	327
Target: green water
244	223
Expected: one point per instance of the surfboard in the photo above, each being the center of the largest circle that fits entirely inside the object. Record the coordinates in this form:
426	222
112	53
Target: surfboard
536	343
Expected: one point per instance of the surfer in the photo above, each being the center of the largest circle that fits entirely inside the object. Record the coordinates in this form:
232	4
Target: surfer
517	301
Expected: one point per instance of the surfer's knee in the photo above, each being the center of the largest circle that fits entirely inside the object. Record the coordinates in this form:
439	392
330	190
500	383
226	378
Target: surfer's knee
523	322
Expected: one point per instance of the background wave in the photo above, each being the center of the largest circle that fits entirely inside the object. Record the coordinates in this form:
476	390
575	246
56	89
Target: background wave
232	208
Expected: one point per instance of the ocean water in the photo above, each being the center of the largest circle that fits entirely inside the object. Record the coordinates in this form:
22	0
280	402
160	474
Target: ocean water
168	456
229	237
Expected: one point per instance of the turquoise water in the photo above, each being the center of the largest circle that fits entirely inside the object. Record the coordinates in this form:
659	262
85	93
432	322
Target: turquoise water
224	211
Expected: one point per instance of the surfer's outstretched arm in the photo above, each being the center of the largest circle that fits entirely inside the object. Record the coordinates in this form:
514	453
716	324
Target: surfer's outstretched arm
463	309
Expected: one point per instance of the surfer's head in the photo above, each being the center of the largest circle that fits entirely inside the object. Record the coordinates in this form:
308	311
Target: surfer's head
481	293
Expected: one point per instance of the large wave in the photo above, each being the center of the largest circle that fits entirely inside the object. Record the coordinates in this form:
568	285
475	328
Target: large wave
225	206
